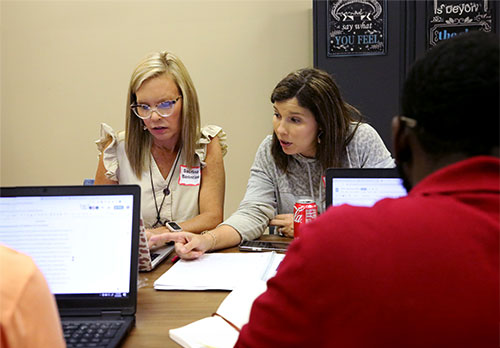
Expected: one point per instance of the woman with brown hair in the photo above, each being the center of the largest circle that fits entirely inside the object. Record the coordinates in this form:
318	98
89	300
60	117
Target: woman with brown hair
314	128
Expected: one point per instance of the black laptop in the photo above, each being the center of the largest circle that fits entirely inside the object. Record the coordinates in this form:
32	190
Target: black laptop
85	241
362	186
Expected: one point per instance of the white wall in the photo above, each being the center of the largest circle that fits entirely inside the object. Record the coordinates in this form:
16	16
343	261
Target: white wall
65	67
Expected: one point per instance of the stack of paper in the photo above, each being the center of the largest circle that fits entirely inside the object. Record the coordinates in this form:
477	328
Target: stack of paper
219	271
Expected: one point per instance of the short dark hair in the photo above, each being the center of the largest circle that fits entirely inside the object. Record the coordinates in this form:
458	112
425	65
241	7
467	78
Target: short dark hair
316	90
453	93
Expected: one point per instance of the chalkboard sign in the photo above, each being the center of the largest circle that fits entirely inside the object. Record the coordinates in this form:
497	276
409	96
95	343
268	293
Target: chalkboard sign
356	27
448	18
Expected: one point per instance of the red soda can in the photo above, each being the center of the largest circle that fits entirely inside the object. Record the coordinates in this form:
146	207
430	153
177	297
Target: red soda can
304	210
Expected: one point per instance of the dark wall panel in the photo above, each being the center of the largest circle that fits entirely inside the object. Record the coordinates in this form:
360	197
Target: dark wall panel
373	83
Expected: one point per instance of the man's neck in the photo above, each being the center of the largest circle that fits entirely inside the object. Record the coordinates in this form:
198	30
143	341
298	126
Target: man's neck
425	164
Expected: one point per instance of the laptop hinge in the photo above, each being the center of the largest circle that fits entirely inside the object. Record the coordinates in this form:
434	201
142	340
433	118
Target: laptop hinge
111	314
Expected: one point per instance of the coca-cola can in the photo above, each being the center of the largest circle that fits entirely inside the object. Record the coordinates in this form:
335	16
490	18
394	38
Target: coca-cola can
304	210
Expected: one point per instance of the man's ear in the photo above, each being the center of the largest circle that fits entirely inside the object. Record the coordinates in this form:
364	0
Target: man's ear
400	141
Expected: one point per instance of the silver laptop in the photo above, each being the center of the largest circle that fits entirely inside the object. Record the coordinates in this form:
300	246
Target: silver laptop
150	258
362	186
85	241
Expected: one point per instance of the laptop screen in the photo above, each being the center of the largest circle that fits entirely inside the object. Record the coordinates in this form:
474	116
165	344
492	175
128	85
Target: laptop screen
362	187
80	237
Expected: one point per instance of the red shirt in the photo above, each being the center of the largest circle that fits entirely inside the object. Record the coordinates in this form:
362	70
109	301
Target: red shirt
418	271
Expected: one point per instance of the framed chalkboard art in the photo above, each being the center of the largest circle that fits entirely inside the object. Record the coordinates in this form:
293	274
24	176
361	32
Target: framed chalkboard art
447	18
356	28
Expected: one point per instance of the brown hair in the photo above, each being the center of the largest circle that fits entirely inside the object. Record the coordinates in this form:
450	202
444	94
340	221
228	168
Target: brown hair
316	91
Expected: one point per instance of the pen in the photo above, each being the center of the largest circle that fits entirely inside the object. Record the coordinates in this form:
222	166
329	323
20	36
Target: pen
175	258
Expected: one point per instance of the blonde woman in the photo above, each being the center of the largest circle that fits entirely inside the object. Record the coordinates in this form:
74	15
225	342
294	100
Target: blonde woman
178	165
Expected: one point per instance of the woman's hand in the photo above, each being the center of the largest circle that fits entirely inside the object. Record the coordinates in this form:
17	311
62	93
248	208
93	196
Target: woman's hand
188	245
284	224
150	232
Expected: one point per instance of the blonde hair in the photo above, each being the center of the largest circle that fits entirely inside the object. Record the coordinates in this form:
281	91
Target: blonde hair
137	141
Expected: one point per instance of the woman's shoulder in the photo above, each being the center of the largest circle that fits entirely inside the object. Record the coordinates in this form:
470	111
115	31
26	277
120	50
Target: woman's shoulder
263	156
265	146
109	138
362	127
368	149
207	133
267	142
111	145
364	133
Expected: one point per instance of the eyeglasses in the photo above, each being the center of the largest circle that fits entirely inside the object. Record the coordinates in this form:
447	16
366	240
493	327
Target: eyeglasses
164	109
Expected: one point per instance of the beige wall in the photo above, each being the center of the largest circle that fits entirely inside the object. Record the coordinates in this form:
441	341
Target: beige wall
65	67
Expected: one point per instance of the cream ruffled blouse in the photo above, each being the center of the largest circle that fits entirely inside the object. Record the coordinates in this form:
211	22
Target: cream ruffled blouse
182	202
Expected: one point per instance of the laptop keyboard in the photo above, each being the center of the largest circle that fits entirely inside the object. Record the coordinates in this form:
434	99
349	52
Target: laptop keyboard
90	334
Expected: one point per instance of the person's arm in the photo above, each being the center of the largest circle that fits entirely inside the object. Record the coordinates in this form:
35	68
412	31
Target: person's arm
248	222
289	313
212	190
191	246
259	205
296	309
100	177
211	197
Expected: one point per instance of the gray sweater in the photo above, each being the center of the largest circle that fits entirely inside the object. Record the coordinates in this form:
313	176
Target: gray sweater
270	191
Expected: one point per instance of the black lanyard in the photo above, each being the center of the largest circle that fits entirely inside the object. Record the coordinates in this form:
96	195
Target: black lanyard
166	191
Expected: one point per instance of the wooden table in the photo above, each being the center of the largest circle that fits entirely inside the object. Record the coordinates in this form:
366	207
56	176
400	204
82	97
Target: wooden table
160	311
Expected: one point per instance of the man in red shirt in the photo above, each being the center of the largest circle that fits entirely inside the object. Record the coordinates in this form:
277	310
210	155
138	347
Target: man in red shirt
418	271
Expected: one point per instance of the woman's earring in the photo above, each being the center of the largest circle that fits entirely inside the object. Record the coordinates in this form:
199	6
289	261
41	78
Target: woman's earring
319	135
144	128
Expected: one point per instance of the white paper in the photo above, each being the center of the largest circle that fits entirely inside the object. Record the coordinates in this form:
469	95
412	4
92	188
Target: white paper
206	332
219	271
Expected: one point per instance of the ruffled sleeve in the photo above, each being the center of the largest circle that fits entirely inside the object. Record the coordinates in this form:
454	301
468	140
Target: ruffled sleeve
109	150
207	133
